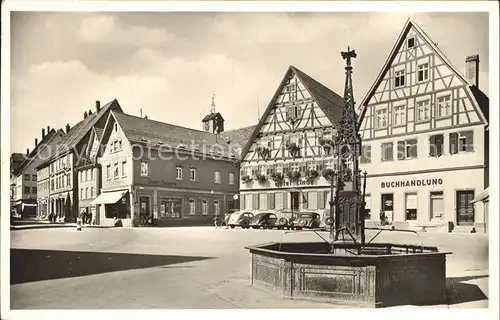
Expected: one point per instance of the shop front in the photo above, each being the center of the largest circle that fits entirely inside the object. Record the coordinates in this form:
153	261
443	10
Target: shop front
426	200
113	208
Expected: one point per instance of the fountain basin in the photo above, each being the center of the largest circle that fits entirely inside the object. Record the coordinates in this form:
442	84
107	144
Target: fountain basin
384	274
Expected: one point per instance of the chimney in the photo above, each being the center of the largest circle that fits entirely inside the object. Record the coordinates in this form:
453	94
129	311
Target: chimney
48	129
27	151
43	133
145	116
67	127
90	112
36	142
97	105
85	115
472	69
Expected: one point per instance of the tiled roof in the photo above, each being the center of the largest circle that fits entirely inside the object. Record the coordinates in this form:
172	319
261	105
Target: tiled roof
238	138
156	133
98	131
330	103
78	131
482	100
34	152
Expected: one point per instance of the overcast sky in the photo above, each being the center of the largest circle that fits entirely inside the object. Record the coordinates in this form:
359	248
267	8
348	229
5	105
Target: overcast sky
170	64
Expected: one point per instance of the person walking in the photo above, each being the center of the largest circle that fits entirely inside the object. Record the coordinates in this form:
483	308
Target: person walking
216	221
226	219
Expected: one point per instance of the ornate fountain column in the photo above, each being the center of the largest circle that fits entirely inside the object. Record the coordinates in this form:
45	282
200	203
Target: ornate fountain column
349	198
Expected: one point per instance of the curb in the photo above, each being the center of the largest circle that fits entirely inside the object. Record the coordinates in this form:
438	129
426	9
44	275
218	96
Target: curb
52	226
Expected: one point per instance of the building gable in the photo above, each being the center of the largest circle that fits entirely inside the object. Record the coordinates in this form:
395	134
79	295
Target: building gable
418	90
300	107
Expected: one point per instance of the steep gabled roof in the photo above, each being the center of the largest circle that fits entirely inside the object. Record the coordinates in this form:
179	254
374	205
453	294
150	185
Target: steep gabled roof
328	101
238	138
34	153
155	134
78	131
98	132
399	42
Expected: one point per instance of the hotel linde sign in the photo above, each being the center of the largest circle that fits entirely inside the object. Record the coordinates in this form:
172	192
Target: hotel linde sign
412	183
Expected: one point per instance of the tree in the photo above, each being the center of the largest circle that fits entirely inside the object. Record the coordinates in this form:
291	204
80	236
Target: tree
68	216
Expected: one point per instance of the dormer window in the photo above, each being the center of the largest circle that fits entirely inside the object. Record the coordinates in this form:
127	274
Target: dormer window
411	43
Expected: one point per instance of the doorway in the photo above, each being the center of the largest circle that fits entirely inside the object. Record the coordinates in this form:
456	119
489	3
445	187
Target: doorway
145	217
387	202
294	200
465	209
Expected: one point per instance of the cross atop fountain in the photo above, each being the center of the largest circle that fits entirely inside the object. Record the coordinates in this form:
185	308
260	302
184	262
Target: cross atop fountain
348	55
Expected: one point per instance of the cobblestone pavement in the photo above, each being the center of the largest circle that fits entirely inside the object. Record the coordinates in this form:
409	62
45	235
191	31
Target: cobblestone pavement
188	267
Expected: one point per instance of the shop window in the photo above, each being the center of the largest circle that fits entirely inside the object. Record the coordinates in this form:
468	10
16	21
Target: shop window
192	206
437	205
411	206
387	151
170	208
436	143
204	207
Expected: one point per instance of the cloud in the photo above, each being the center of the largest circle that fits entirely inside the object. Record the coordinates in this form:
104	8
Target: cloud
105	29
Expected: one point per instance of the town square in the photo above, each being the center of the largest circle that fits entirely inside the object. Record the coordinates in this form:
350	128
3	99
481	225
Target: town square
199	160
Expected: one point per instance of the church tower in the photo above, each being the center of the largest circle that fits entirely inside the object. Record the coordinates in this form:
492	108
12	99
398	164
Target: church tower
213	122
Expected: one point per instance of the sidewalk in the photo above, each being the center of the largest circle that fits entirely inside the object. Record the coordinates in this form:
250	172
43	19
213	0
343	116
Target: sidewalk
48	225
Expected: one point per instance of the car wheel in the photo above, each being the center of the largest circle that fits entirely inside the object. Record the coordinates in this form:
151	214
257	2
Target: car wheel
232	227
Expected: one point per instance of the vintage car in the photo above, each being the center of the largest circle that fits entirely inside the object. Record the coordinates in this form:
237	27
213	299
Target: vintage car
240	219
230	213
285	219
308	220
266	220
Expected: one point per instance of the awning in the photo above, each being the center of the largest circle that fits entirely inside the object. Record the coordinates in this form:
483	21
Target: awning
109	197
484	195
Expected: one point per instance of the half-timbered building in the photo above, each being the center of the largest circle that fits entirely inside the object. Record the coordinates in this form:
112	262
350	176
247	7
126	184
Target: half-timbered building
425	145
289	153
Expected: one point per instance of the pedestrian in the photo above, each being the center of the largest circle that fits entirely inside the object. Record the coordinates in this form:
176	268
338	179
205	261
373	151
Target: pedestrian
216	221
226	219
82	216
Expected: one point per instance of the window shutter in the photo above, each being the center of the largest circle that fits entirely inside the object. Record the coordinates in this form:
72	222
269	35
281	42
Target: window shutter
413	148
321	200
305	202
242	201
255	203
270	200
453	143
285	200
401	150
433	146
469	141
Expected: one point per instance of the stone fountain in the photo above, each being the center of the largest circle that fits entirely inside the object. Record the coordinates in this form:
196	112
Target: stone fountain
347	269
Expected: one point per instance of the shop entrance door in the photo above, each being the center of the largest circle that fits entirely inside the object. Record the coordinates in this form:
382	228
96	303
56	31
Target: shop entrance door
146	218
388	206
465	209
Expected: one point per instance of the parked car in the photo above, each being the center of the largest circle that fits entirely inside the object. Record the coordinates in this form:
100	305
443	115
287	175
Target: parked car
229	212
266	220
285	219
240	219
308	220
